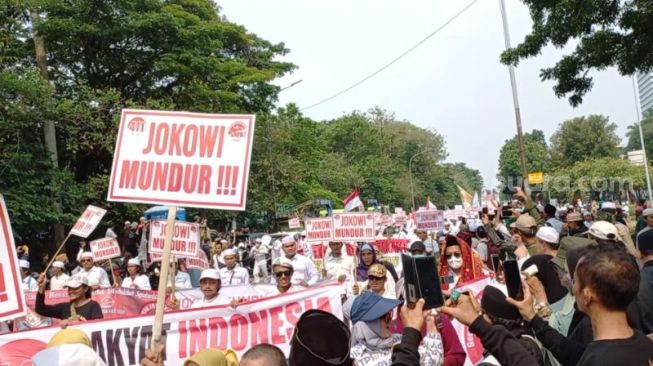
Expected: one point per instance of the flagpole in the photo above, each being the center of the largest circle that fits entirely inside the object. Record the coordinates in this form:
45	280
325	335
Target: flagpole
410	171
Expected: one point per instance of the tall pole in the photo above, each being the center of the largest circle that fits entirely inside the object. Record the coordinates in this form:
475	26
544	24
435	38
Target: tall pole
638	110
515	97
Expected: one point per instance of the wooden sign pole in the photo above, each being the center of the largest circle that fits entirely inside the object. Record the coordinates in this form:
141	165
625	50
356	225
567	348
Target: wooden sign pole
163	279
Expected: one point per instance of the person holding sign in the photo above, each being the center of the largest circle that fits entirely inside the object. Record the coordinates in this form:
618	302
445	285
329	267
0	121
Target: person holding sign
210	286
135	279
231	274
305	273
96	276
80	308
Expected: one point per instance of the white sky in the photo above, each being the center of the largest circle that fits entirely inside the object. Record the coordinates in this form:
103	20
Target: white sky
453	83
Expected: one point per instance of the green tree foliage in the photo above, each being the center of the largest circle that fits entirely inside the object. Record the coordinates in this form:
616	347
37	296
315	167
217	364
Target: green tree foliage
605	33
537	157
584	138
632	136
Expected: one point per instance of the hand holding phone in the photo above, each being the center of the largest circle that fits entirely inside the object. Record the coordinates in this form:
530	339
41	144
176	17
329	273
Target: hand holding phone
513	279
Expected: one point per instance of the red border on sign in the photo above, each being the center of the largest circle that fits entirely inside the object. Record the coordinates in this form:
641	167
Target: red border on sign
8	236
136	199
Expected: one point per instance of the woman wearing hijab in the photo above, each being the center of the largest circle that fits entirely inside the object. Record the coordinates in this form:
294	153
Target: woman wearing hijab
367	258
459	262
372	340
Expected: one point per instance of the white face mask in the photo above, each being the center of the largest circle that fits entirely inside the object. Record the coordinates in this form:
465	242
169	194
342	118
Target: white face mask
455	263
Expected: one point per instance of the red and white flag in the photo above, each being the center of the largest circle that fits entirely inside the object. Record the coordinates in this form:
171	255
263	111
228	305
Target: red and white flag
429	205
352	201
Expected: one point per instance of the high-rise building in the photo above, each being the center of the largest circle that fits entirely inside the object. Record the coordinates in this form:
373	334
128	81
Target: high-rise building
645	86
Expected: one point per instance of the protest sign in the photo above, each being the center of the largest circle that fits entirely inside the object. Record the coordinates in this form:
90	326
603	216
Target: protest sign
294	223
182	159
353	227
429	220
199	262
105	248
88	221
123	341
319	230
12	300
185	241
470	342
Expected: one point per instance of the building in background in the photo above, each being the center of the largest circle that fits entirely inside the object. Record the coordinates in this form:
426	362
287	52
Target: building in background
645	86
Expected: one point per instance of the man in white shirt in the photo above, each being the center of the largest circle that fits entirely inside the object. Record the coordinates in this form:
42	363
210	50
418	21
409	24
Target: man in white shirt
96	276
59	278
260	254
182	278
210	286
282	270
28	283
305	273
232	274
336	266
135	279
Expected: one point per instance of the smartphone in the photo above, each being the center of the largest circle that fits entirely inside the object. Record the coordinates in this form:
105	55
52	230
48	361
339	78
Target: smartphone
506	211
422	281
495	262
513	279
446	279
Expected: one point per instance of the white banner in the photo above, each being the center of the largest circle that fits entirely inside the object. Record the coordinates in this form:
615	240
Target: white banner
12	299
429	220
88	221
123	341
105	248
185	241
183	159
353	227
294	223
319	230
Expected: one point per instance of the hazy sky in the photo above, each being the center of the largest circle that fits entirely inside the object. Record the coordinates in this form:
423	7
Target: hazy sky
453	83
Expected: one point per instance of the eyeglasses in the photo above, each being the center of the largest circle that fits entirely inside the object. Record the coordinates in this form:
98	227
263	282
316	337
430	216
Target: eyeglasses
456	255
375	278
281	274
417	252
86	260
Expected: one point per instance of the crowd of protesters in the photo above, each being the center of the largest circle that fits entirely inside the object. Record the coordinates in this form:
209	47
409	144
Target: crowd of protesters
590	301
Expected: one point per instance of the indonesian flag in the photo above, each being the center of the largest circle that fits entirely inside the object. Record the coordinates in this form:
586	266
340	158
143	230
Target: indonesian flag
352	201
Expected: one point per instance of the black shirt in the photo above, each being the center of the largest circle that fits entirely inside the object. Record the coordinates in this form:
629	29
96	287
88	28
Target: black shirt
634	351
89	311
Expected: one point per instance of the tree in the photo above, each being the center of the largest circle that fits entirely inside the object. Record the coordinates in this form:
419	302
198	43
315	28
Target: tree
605	33
632	136
537	157
584	138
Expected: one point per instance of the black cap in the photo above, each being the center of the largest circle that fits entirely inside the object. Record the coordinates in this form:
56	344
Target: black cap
417	245
645	240
320	339
494	304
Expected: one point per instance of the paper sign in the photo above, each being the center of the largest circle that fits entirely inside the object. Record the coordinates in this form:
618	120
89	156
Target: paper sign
88	221
294	223
353	227
535	178
429	220
319	230
105	248
183	159
12	299
185	241
199	262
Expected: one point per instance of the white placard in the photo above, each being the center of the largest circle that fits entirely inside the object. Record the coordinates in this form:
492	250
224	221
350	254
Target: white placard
185	240
353	227
105	248
182	159
89	220
12	299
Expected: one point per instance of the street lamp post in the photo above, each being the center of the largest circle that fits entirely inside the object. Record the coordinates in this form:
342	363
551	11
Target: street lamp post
410	171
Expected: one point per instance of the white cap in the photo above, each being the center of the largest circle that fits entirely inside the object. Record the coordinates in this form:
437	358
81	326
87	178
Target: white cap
229	252
86	255
134	262
548	234
257	240
266	239
58	264
76	281
211	273
223	241
604	230
283	262
127	222
647	212
287	240
23	264
608	205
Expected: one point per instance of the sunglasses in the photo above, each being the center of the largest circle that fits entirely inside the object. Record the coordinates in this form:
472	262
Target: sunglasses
375	278
281	274
457	255
86	260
